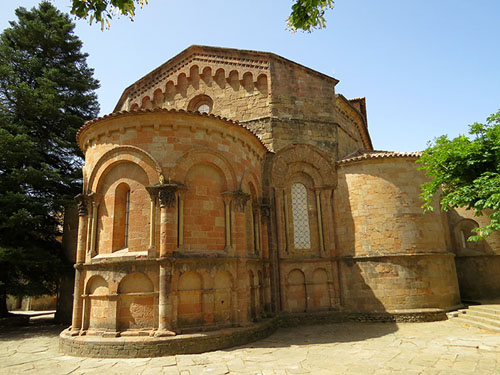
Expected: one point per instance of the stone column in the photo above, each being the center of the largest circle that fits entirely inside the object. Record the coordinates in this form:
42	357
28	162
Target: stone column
152	225
181	193
280	222
165	195
168	205
265	218
317	192
77	302
227	197
328	224
93	232
330	248
242	292
239	201
164	307
267	289
256	229
83	216
82	201
167	198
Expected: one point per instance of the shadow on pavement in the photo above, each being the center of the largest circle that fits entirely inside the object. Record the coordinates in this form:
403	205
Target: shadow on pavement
324	334
37	327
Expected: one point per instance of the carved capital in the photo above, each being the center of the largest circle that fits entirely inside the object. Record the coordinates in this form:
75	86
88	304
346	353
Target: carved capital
166	193
265	209
82	201
167	196
240	200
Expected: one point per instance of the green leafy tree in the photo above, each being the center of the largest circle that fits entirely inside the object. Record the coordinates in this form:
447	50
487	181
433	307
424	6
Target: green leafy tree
306	15
464	171
47	92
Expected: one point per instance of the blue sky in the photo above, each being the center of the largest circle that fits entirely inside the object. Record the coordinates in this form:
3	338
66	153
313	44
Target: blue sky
426	67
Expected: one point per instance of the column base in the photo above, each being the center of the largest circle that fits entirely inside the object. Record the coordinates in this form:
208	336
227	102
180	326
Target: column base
164	333
75	332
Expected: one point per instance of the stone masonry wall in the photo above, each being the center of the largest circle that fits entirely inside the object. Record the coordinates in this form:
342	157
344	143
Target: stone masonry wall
302	106
377	210
395	257
217	166
399	283
477	262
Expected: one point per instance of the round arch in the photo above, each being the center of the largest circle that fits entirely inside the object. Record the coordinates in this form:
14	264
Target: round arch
302	157
122	154
205	156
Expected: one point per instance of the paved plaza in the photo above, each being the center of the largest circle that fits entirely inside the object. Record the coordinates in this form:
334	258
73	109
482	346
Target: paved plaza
438	348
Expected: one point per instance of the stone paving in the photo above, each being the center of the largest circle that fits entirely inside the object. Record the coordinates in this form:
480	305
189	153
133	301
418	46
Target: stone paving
438	348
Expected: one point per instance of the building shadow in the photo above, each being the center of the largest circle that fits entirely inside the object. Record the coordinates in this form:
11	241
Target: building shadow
37	327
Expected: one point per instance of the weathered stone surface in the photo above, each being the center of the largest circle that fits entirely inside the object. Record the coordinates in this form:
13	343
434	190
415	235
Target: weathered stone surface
232	186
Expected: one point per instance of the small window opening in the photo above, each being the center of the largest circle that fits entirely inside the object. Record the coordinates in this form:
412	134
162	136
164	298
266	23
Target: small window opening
201	103
462	238
204	108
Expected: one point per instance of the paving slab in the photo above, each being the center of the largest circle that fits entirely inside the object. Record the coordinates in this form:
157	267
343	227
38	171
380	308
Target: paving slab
436	348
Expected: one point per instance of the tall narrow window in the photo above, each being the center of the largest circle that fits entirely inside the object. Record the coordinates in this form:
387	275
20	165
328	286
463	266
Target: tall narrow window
300	214
121	217
127	216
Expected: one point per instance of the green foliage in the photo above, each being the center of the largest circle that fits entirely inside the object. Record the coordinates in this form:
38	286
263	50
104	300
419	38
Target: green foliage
102	10
306	15
465	170
46	93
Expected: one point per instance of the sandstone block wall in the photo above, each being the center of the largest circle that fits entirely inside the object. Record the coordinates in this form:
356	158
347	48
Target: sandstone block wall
394	256
392	283
377	210
160	276
478	263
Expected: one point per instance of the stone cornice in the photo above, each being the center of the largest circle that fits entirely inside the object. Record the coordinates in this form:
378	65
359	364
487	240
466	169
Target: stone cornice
104	126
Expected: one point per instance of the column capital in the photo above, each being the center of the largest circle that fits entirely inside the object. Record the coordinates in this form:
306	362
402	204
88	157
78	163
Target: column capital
239	198
82	201
265	209
166	193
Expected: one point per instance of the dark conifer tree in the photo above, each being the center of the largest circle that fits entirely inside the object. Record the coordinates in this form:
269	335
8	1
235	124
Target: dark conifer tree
47	92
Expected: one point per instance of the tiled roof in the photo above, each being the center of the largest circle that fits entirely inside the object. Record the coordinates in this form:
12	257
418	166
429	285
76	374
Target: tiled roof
377	154
141	111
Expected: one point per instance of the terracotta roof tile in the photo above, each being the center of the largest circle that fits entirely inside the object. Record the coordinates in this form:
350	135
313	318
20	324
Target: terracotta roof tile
377	154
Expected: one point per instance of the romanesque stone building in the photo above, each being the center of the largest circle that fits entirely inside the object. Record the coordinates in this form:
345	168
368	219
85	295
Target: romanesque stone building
229	186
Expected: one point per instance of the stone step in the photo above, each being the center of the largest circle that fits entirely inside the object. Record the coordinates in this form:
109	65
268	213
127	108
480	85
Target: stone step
481	319
482	314
463	318
491	309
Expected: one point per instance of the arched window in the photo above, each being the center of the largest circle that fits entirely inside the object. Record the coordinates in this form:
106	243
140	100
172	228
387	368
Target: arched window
300	214
127	216
121	219
463	230
201	103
